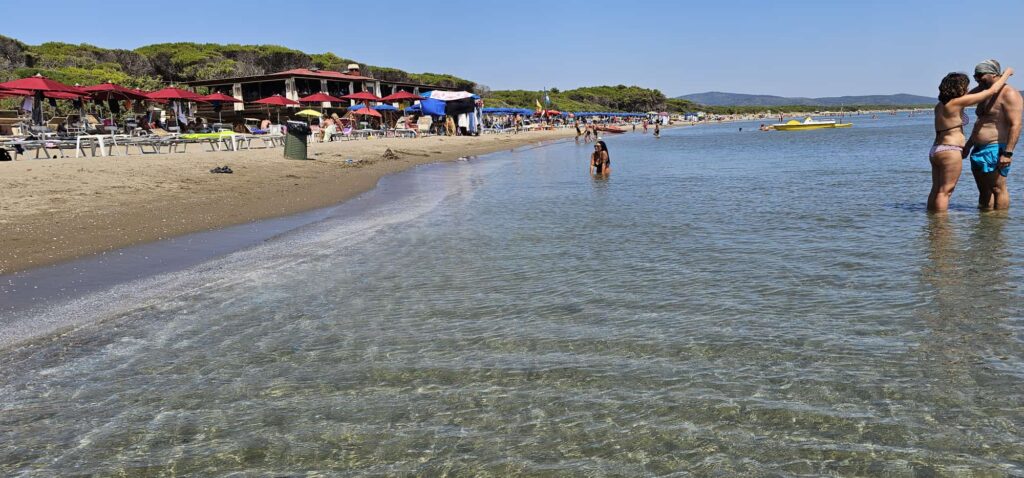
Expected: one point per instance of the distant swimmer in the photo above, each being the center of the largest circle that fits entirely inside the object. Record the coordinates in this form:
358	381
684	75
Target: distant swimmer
657	130
600	162
995	135
947	152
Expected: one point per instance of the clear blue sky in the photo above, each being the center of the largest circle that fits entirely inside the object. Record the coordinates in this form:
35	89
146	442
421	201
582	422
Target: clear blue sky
789	48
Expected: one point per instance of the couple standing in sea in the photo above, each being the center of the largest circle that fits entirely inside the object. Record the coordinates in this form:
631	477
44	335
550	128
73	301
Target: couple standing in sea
991	142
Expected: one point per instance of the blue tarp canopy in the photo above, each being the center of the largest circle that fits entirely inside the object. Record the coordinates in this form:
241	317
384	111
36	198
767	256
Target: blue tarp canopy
432	107
429	94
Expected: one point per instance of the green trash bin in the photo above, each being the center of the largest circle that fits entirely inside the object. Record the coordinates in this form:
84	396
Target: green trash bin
295	140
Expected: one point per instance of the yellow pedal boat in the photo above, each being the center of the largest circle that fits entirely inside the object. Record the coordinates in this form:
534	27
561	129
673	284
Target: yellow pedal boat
808	123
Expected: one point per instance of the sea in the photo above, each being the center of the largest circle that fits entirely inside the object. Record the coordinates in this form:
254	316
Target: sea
727	302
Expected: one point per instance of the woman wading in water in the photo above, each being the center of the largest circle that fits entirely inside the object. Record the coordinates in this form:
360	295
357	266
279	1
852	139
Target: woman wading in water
600	162
946	154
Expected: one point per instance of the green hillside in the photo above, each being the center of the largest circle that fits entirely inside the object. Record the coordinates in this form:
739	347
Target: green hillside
594	98
154	66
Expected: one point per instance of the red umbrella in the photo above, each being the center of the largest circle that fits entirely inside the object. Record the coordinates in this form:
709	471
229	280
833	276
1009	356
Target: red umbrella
174	94
401	96
221	97
319	98
106	91
146	94
38	85
58	95
277	100
366	111
362	96
366	97
110	91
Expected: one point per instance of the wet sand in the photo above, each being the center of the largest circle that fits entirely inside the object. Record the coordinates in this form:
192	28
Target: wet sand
55	210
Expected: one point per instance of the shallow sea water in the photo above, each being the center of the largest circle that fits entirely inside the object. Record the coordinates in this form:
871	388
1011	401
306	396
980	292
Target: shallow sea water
724	304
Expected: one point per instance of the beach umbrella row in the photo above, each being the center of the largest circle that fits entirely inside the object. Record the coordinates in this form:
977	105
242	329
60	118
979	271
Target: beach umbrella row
41	87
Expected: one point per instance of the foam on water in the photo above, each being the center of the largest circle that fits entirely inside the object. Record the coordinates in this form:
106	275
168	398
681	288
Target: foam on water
398	199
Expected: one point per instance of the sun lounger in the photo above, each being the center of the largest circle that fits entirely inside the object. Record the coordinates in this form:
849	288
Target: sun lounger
345	133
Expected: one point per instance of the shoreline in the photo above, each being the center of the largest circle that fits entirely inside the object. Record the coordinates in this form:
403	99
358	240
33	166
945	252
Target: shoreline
57	210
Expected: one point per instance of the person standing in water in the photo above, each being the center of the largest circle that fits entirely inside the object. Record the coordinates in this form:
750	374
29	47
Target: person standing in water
600	162
994	137
946	155
657	130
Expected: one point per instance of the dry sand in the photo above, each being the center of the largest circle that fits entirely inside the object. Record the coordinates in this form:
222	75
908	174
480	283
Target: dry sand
53	210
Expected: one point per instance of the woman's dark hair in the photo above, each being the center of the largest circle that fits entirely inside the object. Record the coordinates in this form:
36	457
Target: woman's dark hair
604	148
954	85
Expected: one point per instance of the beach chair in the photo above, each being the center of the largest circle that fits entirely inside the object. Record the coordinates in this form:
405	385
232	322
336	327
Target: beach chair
344	134
157	139
423	125
93	125
267	139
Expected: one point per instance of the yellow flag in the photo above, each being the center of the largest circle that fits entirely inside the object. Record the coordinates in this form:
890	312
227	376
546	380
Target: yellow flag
539	107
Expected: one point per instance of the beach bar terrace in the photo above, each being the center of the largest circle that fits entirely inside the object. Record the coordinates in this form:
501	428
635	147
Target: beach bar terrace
297	83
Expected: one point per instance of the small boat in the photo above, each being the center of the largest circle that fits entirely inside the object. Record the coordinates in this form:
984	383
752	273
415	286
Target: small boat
808	123
611	129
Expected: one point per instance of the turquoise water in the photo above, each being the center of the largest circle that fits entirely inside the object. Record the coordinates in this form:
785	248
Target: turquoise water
724	303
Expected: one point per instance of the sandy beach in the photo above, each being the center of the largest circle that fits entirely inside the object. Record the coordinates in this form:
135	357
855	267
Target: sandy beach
55	210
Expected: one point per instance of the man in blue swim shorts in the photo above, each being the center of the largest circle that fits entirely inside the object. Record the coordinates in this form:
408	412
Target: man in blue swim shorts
995	135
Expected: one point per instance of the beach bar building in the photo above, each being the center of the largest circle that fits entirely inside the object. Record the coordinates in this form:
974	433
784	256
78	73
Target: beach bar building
297	83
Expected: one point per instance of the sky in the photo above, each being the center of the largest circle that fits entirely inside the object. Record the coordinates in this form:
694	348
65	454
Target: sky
787	48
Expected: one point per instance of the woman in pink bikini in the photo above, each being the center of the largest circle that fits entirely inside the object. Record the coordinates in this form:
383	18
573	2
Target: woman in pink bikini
946	154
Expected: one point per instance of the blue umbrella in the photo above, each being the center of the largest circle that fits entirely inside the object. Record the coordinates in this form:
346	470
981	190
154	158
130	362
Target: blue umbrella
378	107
